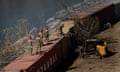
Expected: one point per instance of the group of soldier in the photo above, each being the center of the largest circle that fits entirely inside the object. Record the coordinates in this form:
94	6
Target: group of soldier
38	40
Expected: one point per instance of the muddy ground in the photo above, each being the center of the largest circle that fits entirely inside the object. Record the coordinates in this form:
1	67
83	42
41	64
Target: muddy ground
110	63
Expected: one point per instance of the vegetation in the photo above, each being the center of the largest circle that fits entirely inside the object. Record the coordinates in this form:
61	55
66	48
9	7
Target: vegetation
10	50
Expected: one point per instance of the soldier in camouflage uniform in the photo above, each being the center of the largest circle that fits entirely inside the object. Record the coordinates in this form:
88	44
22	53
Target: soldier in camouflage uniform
30	41
46	34
39	41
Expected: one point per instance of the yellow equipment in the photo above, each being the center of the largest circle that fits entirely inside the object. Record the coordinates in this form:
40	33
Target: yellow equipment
94	46
101	48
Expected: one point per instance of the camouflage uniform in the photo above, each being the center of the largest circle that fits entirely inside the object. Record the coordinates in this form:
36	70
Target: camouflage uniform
46	34
39	41
30	43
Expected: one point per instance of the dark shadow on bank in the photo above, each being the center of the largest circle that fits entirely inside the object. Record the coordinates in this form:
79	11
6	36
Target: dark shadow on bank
107	25
109	54
69	61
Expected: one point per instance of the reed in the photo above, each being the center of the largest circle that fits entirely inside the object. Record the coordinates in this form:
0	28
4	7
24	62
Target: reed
9	51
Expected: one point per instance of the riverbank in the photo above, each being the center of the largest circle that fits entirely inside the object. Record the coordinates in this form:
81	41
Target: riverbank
107	64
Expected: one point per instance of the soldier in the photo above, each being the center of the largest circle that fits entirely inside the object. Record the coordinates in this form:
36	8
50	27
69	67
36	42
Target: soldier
30	41
61	32
108	25
39	41
46	34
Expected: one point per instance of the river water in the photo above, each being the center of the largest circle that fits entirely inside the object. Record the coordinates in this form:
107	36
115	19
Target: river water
32	10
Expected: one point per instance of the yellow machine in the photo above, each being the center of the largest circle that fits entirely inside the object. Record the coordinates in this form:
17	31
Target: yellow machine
101	48
94	46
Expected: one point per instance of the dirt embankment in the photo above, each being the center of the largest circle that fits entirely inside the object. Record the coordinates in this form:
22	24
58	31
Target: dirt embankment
110	63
